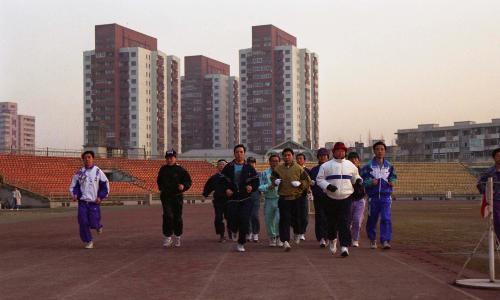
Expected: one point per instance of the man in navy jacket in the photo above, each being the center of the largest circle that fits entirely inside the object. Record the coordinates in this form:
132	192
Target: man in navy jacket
241	180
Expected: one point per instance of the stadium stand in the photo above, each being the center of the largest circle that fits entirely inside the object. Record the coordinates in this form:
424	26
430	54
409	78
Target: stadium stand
431	180
50	177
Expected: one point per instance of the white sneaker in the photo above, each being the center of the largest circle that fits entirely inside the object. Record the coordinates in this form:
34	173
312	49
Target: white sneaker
248	237
272	242
297	239
386	245
279	242
177	240
240	248
322	243
255	238
373	244
89	245
355	243
167	242
333	246
287	246
344	251
302	237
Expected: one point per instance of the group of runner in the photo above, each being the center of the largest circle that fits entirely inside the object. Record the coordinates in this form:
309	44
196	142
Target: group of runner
338	187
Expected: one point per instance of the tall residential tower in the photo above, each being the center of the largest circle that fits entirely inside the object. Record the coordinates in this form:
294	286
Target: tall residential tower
210	105
279	91
131	94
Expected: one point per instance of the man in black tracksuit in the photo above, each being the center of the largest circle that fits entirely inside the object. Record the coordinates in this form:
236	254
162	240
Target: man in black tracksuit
216	184
172	180
242	180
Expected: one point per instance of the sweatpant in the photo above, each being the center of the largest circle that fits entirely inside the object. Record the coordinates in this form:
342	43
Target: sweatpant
320	224
220	210
172	214
379	207
239	217
302	215
254	215
357	211
288	208
89	217
338	213
272	217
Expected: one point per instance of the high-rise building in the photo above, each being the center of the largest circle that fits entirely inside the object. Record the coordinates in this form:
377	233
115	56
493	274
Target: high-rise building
130	90
278	91
210	105
17	132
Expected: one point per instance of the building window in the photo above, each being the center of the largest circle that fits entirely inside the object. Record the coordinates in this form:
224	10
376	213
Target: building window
133	117
133	63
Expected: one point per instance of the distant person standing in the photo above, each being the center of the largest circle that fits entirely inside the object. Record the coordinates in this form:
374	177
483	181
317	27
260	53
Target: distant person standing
216	184
292	180
338	178
494	172
303	209
379	178
241	181
254	229
319	197
16	199
90	187
271	211
358	204
173	180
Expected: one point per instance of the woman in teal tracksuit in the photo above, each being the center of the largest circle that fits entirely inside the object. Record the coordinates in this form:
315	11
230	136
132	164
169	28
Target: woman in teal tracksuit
271	211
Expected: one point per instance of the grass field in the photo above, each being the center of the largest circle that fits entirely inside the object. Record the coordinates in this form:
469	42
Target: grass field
445	229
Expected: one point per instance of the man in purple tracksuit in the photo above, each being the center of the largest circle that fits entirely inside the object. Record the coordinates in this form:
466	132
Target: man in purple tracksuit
379	178
89	186
494	172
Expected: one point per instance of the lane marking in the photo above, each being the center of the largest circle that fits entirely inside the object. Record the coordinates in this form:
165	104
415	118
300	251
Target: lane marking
105	276
430	276
321	278
212	276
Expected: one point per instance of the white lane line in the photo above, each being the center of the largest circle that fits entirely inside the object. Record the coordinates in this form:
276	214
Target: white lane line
431	277
212	276
75	291
316	271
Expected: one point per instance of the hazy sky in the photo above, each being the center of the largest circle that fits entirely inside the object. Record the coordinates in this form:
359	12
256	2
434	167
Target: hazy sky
383	65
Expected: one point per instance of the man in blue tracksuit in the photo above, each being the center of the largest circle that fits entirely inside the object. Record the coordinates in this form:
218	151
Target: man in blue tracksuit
379	178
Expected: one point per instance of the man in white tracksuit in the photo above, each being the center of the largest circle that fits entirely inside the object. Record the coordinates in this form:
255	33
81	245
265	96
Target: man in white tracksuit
337	178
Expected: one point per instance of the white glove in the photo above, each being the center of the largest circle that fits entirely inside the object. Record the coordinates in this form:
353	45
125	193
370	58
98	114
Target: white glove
296	183
277	182
313	182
